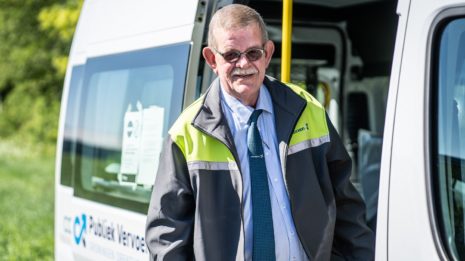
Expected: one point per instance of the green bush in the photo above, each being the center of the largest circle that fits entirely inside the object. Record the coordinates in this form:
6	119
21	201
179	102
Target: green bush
35	38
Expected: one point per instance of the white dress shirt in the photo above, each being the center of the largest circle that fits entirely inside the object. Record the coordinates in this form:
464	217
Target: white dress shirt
287	243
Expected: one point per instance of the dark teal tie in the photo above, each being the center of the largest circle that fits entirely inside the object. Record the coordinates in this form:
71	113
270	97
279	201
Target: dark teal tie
263	234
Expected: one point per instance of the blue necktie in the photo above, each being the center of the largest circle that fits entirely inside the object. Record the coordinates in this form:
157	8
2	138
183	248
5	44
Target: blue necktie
263	234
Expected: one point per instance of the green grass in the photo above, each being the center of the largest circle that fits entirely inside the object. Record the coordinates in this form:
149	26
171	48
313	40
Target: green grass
26	204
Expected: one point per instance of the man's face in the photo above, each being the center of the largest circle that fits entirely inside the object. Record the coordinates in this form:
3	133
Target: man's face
242	78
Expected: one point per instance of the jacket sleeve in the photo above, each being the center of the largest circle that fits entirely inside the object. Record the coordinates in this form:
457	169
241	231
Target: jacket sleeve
170	218
353	240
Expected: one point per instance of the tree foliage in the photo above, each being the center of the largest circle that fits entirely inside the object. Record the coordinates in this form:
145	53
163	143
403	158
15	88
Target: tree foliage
35	37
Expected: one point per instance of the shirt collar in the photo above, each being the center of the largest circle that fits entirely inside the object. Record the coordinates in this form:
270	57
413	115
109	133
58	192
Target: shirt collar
242	111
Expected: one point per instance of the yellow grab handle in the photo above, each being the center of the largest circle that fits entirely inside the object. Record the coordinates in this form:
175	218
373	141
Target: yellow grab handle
286	42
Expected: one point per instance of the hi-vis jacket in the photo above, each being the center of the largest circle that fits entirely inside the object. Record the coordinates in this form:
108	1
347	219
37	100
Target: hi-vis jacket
196	205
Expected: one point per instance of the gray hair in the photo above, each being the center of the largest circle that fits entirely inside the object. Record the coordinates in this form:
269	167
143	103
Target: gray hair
235	16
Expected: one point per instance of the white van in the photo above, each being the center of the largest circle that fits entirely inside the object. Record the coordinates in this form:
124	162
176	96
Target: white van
391	75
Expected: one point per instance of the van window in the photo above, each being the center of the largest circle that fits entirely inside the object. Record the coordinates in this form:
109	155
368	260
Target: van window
127	104
449	136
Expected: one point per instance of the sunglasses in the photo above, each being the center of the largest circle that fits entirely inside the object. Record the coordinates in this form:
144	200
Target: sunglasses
252	54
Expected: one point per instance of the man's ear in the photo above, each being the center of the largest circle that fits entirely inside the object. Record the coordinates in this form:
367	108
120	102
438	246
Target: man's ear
209	56
269	50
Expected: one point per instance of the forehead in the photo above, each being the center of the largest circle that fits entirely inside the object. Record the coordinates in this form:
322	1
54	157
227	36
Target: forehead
239	38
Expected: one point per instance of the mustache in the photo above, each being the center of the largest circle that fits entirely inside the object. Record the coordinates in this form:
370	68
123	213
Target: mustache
240	71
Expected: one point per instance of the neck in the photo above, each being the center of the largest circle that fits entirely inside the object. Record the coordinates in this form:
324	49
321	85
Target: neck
249	101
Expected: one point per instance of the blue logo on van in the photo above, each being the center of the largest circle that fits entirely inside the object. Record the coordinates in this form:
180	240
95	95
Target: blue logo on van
79	229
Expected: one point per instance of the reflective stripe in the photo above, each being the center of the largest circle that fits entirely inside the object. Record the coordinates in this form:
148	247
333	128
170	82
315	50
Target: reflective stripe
312	123
195	145
307	144
207	165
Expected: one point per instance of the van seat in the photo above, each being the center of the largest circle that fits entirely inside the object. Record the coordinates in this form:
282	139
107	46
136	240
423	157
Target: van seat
369	163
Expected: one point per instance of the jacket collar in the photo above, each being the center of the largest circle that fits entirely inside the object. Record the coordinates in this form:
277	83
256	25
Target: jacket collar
287	106
211	119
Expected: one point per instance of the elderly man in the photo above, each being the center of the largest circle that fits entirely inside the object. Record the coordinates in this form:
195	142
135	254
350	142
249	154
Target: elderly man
254	169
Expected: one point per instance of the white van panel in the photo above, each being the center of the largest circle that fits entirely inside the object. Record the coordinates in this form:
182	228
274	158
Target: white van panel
62	234
112	27
405	233
383	199
110	233
104	25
